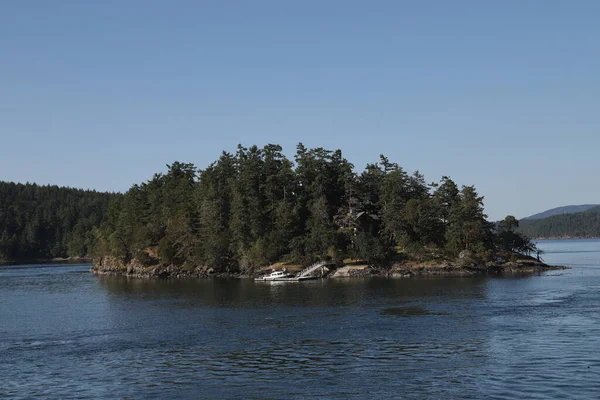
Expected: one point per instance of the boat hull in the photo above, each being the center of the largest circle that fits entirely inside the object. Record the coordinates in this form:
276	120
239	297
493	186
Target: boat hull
292	279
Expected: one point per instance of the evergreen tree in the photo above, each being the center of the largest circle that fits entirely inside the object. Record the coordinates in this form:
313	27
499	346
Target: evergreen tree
446	196
467	227
214	201
253	208
394	194
511	241
41	222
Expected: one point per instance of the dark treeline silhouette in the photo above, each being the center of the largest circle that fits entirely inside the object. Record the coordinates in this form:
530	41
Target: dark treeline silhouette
256	207
581	224
41	222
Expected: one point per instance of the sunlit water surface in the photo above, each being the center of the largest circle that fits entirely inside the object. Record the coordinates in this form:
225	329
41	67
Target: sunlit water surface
66	333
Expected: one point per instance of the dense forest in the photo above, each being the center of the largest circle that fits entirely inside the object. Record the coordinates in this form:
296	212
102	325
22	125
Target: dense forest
581	224
571	209
42	222
256	207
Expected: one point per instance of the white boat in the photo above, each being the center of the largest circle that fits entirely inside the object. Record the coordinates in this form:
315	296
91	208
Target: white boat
304	275
275	276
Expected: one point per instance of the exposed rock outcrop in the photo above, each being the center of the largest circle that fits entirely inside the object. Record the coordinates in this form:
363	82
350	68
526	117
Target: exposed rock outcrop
112	266
448	269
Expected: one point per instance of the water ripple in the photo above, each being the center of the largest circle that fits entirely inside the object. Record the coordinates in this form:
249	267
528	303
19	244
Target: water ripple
72	335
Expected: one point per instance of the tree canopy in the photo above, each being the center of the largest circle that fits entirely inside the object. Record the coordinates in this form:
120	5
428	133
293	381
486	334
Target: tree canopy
581	224
40	222
255	207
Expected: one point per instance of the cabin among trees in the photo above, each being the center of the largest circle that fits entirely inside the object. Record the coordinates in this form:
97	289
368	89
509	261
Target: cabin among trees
368	223
362	222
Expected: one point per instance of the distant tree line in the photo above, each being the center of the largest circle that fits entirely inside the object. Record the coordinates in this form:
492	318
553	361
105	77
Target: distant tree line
40	222
256	207
581	224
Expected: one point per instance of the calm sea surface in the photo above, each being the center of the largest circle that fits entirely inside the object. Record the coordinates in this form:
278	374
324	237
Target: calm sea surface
65	333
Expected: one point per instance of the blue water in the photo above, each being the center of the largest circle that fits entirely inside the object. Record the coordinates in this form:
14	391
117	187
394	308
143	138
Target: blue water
66	333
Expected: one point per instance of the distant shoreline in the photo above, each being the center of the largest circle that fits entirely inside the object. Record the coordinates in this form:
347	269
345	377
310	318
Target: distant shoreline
567	238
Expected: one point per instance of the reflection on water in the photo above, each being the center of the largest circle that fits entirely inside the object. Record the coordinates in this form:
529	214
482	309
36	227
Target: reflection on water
245	292
67	333
408	311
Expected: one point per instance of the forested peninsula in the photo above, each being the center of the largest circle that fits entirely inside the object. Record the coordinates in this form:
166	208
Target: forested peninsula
256	208
39	223
584	224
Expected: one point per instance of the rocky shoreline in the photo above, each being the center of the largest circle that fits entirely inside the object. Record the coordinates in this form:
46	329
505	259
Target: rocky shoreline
110	266
519	268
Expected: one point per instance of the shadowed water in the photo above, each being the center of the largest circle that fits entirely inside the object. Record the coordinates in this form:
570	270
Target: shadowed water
67	333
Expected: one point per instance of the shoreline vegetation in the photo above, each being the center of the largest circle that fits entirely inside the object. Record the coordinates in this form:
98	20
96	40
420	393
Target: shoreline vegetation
256	208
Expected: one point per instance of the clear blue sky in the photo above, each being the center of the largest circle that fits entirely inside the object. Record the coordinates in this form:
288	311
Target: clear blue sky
504	95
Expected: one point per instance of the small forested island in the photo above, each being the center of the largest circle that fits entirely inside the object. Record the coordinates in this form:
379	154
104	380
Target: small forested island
256	209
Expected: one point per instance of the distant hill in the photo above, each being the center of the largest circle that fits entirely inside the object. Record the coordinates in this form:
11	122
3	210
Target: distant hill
562	210
576	225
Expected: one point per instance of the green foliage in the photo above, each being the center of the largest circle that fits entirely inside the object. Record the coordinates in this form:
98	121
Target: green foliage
256	206
143	257
467	227
581	224
166	250
374	250
423	221
511	241
509	223
446	196
49	221
258	253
